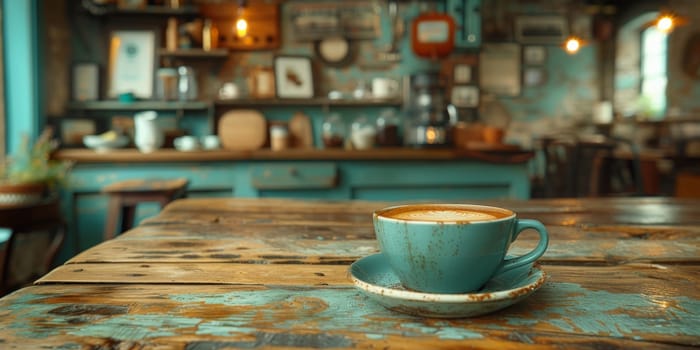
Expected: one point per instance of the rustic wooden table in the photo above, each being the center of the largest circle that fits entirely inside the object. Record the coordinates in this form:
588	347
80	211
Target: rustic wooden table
243	273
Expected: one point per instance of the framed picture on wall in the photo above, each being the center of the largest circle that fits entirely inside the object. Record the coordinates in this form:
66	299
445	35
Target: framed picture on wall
465	96
132	63
85	79
293	77
545	29
462	74
534	54
261	82
500	69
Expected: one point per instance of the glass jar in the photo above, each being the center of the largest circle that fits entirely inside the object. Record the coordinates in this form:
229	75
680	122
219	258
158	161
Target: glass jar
187	84
166	84
333	131
279	137
388	129
363	133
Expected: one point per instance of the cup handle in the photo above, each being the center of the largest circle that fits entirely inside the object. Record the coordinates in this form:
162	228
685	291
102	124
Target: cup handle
509	264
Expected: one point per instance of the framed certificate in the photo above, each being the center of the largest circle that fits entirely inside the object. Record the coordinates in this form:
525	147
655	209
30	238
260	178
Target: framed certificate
294	77
131	63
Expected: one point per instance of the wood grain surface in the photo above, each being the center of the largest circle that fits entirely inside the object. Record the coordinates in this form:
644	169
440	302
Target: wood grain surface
273	273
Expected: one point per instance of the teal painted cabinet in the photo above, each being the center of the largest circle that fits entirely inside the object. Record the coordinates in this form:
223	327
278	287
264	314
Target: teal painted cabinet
389	180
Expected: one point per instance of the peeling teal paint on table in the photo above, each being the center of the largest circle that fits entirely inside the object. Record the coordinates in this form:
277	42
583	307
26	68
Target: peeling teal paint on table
190	293
577	310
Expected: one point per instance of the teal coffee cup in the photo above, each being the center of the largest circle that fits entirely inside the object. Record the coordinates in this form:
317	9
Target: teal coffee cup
452	248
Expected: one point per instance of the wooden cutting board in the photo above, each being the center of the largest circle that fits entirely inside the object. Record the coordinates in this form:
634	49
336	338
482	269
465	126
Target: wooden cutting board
242	130
301	131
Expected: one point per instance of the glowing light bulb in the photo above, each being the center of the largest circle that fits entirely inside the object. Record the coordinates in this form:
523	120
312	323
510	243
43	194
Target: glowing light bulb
572	45
665	24
241	27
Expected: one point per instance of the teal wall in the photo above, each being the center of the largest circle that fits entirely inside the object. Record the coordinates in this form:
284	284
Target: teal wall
22	92
571	86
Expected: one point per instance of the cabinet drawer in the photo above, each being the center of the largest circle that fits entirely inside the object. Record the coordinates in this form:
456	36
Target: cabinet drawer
281	176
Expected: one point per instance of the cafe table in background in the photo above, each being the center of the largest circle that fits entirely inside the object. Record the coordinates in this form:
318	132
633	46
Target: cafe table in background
254	273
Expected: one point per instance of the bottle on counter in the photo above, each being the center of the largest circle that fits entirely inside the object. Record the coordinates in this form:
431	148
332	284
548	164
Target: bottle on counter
333	131
171	34
210	36
186	84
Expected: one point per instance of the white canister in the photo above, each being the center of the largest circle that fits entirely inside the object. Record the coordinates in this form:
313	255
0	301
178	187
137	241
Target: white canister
148	135
385	88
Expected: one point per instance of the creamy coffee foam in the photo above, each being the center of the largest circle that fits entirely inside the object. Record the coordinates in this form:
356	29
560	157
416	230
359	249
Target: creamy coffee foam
444	214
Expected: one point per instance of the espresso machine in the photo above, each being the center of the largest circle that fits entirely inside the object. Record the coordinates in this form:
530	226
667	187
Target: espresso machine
428	119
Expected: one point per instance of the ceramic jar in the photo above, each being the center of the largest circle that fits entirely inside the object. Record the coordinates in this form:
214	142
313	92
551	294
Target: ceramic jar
148	135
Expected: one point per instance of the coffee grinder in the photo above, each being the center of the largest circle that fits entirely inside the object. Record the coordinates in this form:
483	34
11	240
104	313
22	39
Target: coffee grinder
428	118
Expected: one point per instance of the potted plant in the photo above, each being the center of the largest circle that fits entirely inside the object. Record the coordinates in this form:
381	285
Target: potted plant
30	174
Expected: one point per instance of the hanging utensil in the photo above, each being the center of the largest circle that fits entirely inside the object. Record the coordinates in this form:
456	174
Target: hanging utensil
397	29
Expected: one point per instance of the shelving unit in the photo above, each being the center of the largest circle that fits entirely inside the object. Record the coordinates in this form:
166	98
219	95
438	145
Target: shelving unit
320	102
110	105
193	53
113	105
114	10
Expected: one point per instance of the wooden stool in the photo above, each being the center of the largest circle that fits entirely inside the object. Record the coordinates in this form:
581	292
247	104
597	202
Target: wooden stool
43	217
125	195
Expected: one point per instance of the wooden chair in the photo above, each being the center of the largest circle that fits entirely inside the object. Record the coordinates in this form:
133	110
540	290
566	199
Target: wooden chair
42	218
577	167
124	196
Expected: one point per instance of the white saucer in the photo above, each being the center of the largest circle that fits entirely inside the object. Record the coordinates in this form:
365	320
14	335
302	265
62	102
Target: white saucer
373	276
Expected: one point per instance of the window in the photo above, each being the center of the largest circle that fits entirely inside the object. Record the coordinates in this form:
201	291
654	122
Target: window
653	72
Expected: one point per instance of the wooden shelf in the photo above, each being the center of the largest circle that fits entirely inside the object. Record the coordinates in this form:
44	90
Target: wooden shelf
113	105
194	53
150	11
138	105
275	102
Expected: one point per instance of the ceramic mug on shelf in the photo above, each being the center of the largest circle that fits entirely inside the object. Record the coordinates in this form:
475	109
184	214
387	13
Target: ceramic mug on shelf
385	88
452	248
186	143
210	142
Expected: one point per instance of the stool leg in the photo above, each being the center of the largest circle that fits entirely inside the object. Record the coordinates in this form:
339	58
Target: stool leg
128	217
113	211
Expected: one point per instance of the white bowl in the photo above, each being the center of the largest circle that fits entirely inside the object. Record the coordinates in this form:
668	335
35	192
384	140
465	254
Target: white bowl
100	144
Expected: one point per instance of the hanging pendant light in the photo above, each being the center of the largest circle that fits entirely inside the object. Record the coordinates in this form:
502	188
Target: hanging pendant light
572	44
667	21
241	24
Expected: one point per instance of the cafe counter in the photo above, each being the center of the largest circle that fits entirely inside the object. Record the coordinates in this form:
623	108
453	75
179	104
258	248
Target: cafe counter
396	174
489	154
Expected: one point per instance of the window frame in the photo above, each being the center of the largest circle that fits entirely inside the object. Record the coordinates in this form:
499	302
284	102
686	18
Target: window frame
643	56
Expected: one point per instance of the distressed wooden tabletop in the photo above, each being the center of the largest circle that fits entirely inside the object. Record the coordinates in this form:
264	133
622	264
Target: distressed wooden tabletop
273	273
